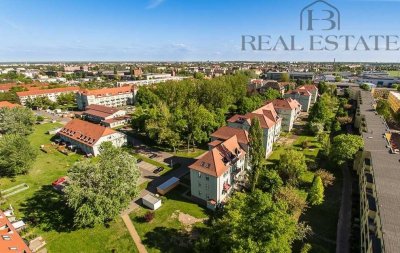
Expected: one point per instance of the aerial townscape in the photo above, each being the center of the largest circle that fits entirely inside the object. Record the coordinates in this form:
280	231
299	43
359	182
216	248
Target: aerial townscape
153	146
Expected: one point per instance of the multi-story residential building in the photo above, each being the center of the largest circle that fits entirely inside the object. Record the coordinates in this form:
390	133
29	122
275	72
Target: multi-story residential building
214	176
10	240
112	97
269	120
289	110
88	137
51	94
106	116
304	97
312	89
394	100
224	133
379	177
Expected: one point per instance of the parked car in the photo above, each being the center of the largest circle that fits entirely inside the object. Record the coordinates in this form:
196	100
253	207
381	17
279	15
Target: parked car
158	170
139	160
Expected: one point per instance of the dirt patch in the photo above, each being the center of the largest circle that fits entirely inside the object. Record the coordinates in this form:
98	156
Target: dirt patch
186	220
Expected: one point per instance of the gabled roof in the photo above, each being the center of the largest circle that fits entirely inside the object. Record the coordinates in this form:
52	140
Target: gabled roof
13	240
217	161
85	132
287	103
109	91
8	104
102	108
227	132
47	91
308	87
302	92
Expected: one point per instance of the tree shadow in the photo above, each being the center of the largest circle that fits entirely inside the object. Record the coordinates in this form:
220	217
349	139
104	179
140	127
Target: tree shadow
47	209
168	240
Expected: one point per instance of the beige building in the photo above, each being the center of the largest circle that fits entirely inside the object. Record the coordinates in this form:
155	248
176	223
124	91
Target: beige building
394	100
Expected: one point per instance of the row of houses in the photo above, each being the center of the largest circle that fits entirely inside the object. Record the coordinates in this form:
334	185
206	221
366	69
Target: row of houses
306	95
221	170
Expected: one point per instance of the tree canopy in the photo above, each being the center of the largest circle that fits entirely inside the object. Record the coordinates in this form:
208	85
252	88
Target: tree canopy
251	223
256	151
292	165
345	146
316	194
100	189
17	120
16	155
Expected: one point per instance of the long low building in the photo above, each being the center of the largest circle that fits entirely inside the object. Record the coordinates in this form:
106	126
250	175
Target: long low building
51	94
379	181
111	97
88	137
106	116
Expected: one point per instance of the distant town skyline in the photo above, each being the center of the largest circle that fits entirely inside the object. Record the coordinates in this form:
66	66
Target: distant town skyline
173	30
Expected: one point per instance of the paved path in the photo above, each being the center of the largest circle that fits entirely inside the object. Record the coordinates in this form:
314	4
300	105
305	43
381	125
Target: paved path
344	223
134	234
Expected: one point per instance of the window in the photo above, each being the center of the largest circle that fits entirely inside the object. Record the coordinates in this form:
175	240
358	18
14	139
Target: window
199	184
207	178
6	237
199	193
199	174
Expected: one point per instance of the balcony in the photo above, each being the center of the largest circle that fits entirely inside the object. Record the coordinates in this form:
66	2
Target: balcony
371	203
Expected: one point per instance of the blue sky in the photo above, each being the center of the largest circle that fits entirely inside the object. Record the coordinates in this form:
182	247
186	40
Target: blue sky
178	30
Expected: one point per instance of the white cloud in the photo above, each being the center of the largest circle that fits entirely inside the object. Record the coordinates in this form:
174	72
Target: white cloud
154	4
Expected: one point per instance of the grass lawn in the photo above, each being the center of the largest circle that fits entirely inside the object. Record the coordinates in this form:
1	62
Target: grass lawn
161	233
45	212
190	154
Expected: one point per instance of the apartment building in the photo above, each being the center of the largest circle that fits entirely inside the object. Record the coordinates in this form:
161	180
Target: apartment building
379	177
224	133
106	116
394	101
269	120
289	110
51	94
10	240
217	173
260	86
304	97
88	137
111	97
312	89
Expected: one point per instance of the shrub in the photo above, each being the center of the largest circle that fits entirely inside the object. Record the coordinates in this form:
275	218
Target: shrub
326	177
149	216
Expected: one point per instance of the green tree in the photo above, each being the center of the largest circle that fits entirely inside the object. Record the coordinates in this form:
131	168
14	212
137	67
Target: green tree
17	120
345	146
16	155
198	75
249	104
146	97
271	94
325	141
383	108
256	151
285	77
67	99
292	165
296	203
100	189
316	194
269	180
251	223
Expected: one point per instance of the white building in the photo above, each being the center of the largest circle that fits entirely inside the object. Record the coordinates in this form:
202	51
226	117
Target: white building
111	97
88	137
51	94
215	175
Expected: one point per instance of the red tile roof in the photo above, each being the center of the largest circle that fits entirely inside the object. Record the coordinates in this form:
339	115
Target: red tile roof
109	91
8	104
288	103
227	132
217	161
308	87
47	91
14	242
84	132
